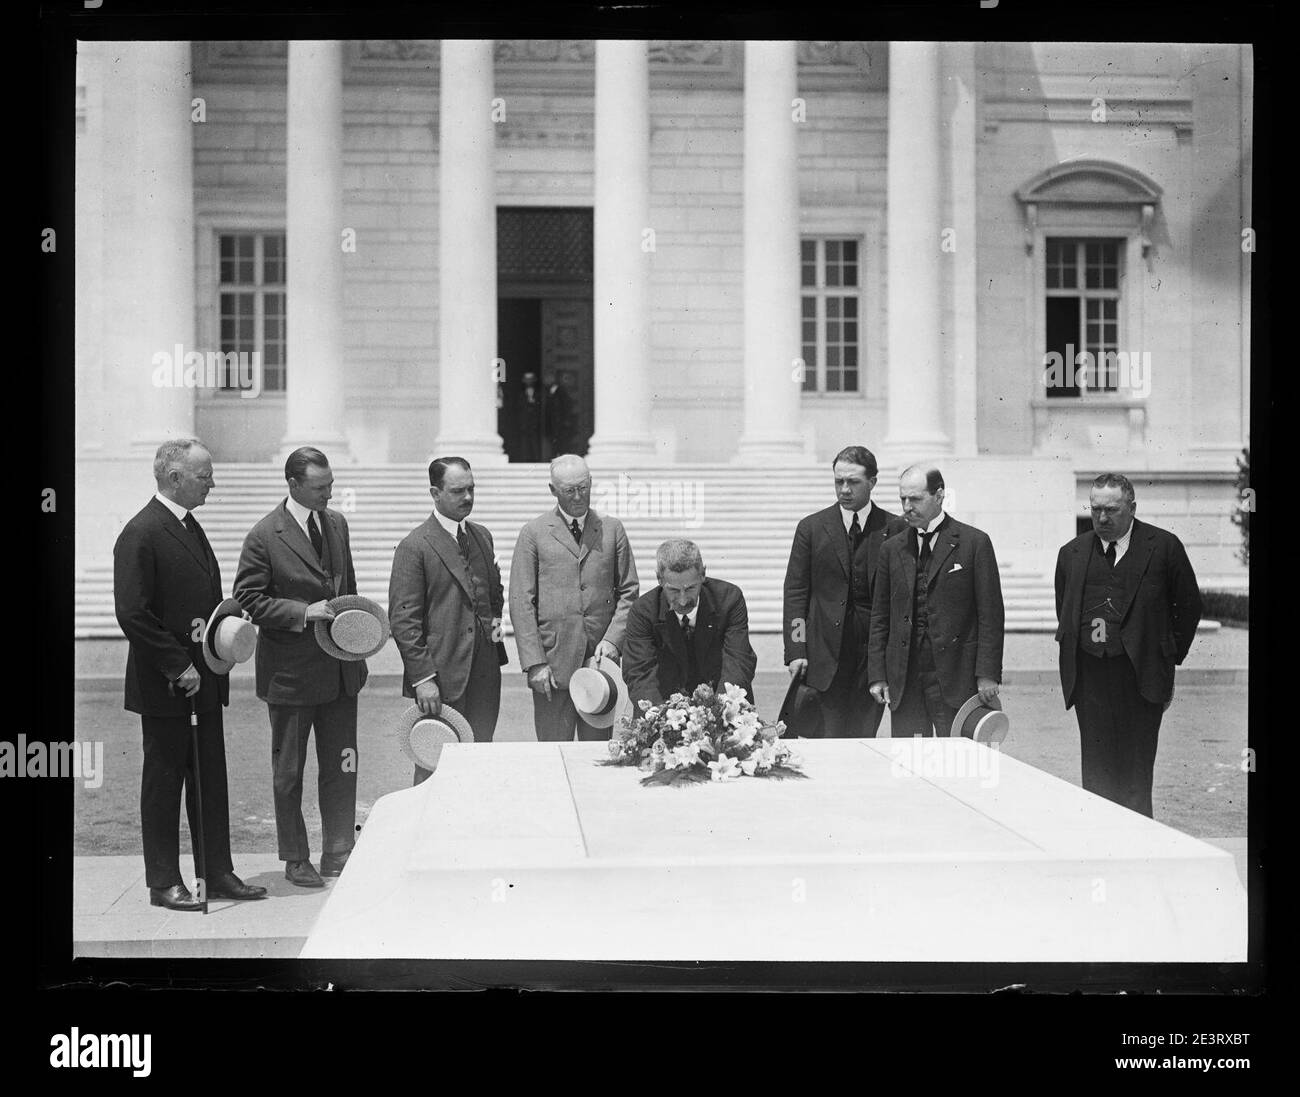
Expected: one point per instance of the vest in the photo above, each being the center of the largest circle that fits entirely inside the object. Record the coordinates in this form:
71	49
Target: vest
1099	609
479	579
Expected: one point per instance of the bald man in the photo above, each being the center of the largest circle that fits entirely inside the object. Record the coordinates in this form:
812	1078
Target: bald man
936	614
572	584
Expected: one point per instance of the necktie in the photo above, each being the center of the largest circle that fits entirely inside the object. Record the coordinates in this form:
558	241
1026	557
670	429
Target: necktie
462	541
1110	553
692	668
855	533
190	524
313	531
577	533
923	563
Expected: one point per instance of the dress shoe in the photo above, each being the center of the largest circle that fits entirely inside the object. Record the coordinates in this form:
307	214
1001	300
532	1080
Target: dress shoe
331	864
302	874
176	897
230	886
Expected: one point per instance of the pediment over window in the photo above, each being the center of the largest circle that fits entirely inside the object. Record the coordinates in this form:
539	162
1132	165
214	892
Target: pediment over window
1091	183
1118	193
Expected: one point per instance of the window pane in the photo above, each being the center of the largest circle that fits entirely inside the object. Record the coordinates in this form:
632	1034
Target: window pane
808	250
850	380
832	358
832	276
851	356
833	307
832	331
851	306
832	252
808	307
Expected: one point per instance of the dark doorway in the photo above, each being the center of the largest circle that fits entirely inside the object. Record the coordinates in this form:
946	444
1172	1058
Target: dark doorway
544	331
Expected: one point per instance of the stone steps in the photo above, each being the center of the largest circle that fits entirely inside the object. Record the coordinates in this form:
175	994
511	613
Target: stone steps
742	519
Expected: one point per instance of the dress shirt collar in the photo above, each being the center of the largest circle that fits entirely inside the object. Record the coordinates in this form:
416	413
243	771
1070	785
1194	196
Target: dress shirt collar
178	510
690	616
1121	543
449	524
863	514
928	532
301	514
569	519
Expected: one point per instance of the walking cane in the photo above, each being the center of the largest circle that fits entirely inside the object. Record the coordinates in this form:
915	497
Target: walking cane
200	855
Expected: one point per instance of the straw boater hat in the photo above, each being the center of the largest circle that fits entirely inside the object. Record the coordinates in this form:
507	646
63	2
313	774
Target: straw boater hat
358	630
422	737
229	637
599	694
986	724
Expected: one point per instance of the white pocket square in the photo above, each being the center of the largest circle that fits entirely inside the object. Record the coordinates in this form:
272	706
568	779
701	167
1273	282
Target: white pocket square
955	567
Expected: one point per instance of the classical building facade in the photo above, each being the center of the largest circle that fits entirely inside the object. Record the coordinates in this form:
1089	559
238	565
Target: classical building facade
720	251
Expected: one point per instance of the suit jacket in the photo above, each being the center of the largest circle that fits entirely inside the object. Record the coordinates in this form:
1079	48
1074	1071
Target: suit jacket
431	605
817	586
654	655
166	583
278	577
566	597
1162	607
965	611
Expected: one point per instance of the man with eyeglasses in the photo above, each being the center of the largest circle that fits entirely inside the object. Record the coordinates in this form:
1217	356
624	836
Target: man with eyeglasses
1127	607
572	585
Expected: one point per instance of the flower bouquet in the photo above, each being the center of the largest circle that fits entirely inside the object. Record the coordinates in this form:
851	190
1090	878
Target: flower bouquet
709	736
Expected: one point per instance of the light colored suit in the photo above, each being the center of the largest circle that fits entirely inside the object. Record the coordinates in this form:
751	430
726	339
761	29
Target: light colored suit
566	597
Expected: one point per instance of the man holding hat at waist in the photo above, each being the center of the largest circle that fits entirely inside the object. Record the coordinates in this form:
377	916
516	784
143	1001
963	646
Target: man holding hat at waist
167	595
294	562
445	600
572	585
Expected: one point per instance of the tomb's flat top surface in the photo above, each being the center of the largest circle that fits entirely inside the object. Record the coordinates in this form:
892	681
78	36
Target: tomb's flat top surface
547	803
887	851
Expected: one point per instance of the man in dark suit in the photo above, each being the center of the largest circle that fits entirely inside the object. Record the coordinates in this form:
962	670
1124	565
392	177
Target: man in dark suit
687	631
558	410
294	561
444	607
828	588
1127	607
166	583
572	584
531	403
936	616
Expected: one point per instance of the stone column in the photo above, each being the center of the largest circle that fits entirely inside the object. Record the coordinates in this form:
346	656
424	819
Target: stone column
314	402
771	265
149	167
917	409
622	271
467	255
